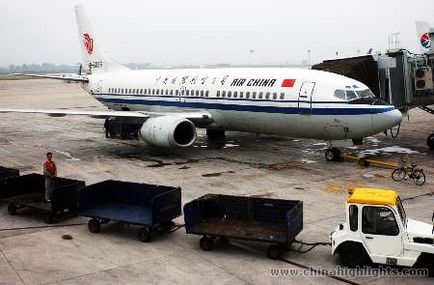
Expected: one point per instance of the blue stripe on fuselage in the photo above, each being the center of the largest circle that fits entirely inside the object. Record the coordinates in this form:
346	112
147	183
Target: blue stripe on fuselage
252	108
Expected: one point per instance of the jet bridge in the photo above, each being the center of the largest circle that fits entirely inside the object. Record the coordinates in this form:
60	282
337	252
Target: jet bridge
399	77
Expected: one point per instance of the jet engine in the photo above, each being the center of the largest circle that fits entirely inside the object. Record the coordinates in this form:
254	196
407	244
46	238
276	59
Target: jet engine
168	131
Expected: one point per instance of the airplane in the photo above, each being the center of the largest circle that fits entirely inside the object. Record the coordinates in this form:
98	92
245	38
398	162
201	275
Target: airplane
171	103
423	31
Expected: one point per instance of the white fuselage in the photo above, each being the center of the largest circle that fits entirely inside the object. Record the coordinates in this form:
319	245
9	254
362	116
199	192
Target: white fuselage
281	101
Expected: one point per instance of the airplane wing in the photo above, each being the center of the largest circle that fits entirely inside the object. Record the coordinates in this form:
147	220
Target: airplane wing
195	116
60	77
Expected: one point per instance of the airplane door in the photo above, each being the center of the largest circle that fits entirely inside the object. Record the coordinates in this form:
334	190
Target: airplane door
305	98
99	86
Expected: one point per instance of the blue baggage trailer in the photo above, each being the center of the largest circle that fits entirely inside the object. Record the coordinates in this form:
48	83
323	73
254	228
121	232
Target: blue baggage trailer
28	191
273	221
152	207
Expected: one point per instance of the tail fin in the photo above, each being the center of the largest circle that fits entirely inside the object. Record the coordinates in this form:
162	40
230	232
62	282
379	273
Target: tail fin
423	34
95	59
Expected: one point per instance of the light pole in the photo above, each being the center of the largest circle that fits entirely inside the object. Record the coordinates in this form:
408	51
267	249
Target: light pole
308	57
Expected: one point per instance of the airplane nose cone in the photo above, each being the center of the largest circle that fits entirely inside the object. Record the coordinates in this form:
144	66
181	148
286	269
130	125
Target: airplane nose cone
387	120
395	117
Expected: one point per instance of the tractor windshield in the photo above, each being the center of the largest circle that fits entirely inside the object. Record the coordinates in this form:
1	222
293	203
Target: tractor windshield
401	212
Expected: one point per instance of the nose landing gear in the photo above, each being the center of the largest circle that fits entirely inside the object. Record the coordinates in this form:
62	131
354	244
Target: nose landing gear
333	154
430	141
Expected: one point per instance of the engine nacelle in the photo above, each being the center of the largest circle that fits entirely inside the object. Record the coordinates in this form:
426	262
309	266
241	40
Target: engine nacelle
168	131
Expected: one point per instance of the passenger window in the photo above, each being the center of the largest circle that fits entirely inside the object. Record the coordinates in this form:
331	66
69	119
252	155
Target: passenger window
171	92
167	92
218	93
353	213
351	95
274	95
201	93
267	95
379	221
141	91
241	94
235	94
177	92
206	93
223	94
157	92
197	92
188	92
254	95
247	95
153	91
260	95
162	92
282	95
229	94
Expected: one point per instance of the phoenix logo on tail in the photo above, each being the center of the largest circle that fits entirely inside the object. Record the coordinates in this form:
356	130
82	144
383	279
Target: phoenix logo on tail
425	40
88	43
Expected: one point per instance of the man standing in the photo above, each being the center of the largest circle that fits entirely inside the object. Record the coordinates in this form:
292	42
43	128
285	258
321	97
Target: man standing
50	173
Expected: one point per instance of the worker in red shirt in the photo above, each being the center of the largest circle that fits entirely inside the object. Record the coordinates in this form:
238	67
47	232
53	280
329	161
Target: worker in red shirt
50	173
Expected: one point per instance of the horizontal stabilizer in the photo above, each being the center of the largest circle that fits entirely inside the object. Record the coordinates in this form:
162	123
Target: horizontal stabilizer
52	76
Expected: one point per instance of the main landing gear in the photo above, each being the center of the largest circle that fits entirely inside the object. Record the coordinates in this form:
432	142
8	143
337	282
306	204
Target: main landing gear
215	134
333	154
430	141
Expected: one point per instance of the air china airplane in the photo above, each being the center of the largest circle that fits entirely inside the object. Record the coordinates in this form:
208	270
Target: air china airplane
282	101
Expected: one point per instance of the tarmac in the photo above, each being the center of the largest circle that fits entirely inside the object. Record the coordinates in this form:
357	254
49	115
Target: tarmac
246	164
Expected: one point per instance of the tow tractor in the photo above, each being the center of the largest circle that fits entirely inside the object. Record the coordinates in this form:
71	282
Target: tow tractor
377	230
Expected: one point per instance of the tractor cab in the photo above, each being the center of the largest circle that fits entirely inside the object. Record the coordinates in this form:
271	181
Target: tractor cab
377	230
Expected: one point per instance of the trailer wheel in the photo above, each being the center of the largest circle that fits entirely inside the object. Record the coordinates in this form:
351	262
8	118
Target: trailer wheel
363	162
274	251
94	226
144	234
12	209
352	255
206	243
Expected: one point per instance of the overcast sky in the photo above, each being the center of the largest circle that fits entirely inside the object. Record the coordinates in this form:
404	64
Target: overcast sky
177	32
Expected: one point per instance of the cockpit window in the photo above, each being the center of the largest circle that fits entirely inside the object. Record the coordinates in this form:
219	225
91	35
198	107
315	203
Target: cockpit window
365	94
340	94
351	95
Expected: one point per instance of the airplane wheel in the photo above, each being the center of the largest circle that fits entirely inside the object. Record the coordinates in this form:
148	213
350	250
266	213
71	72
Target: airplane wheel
215	134
430	141
333	154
